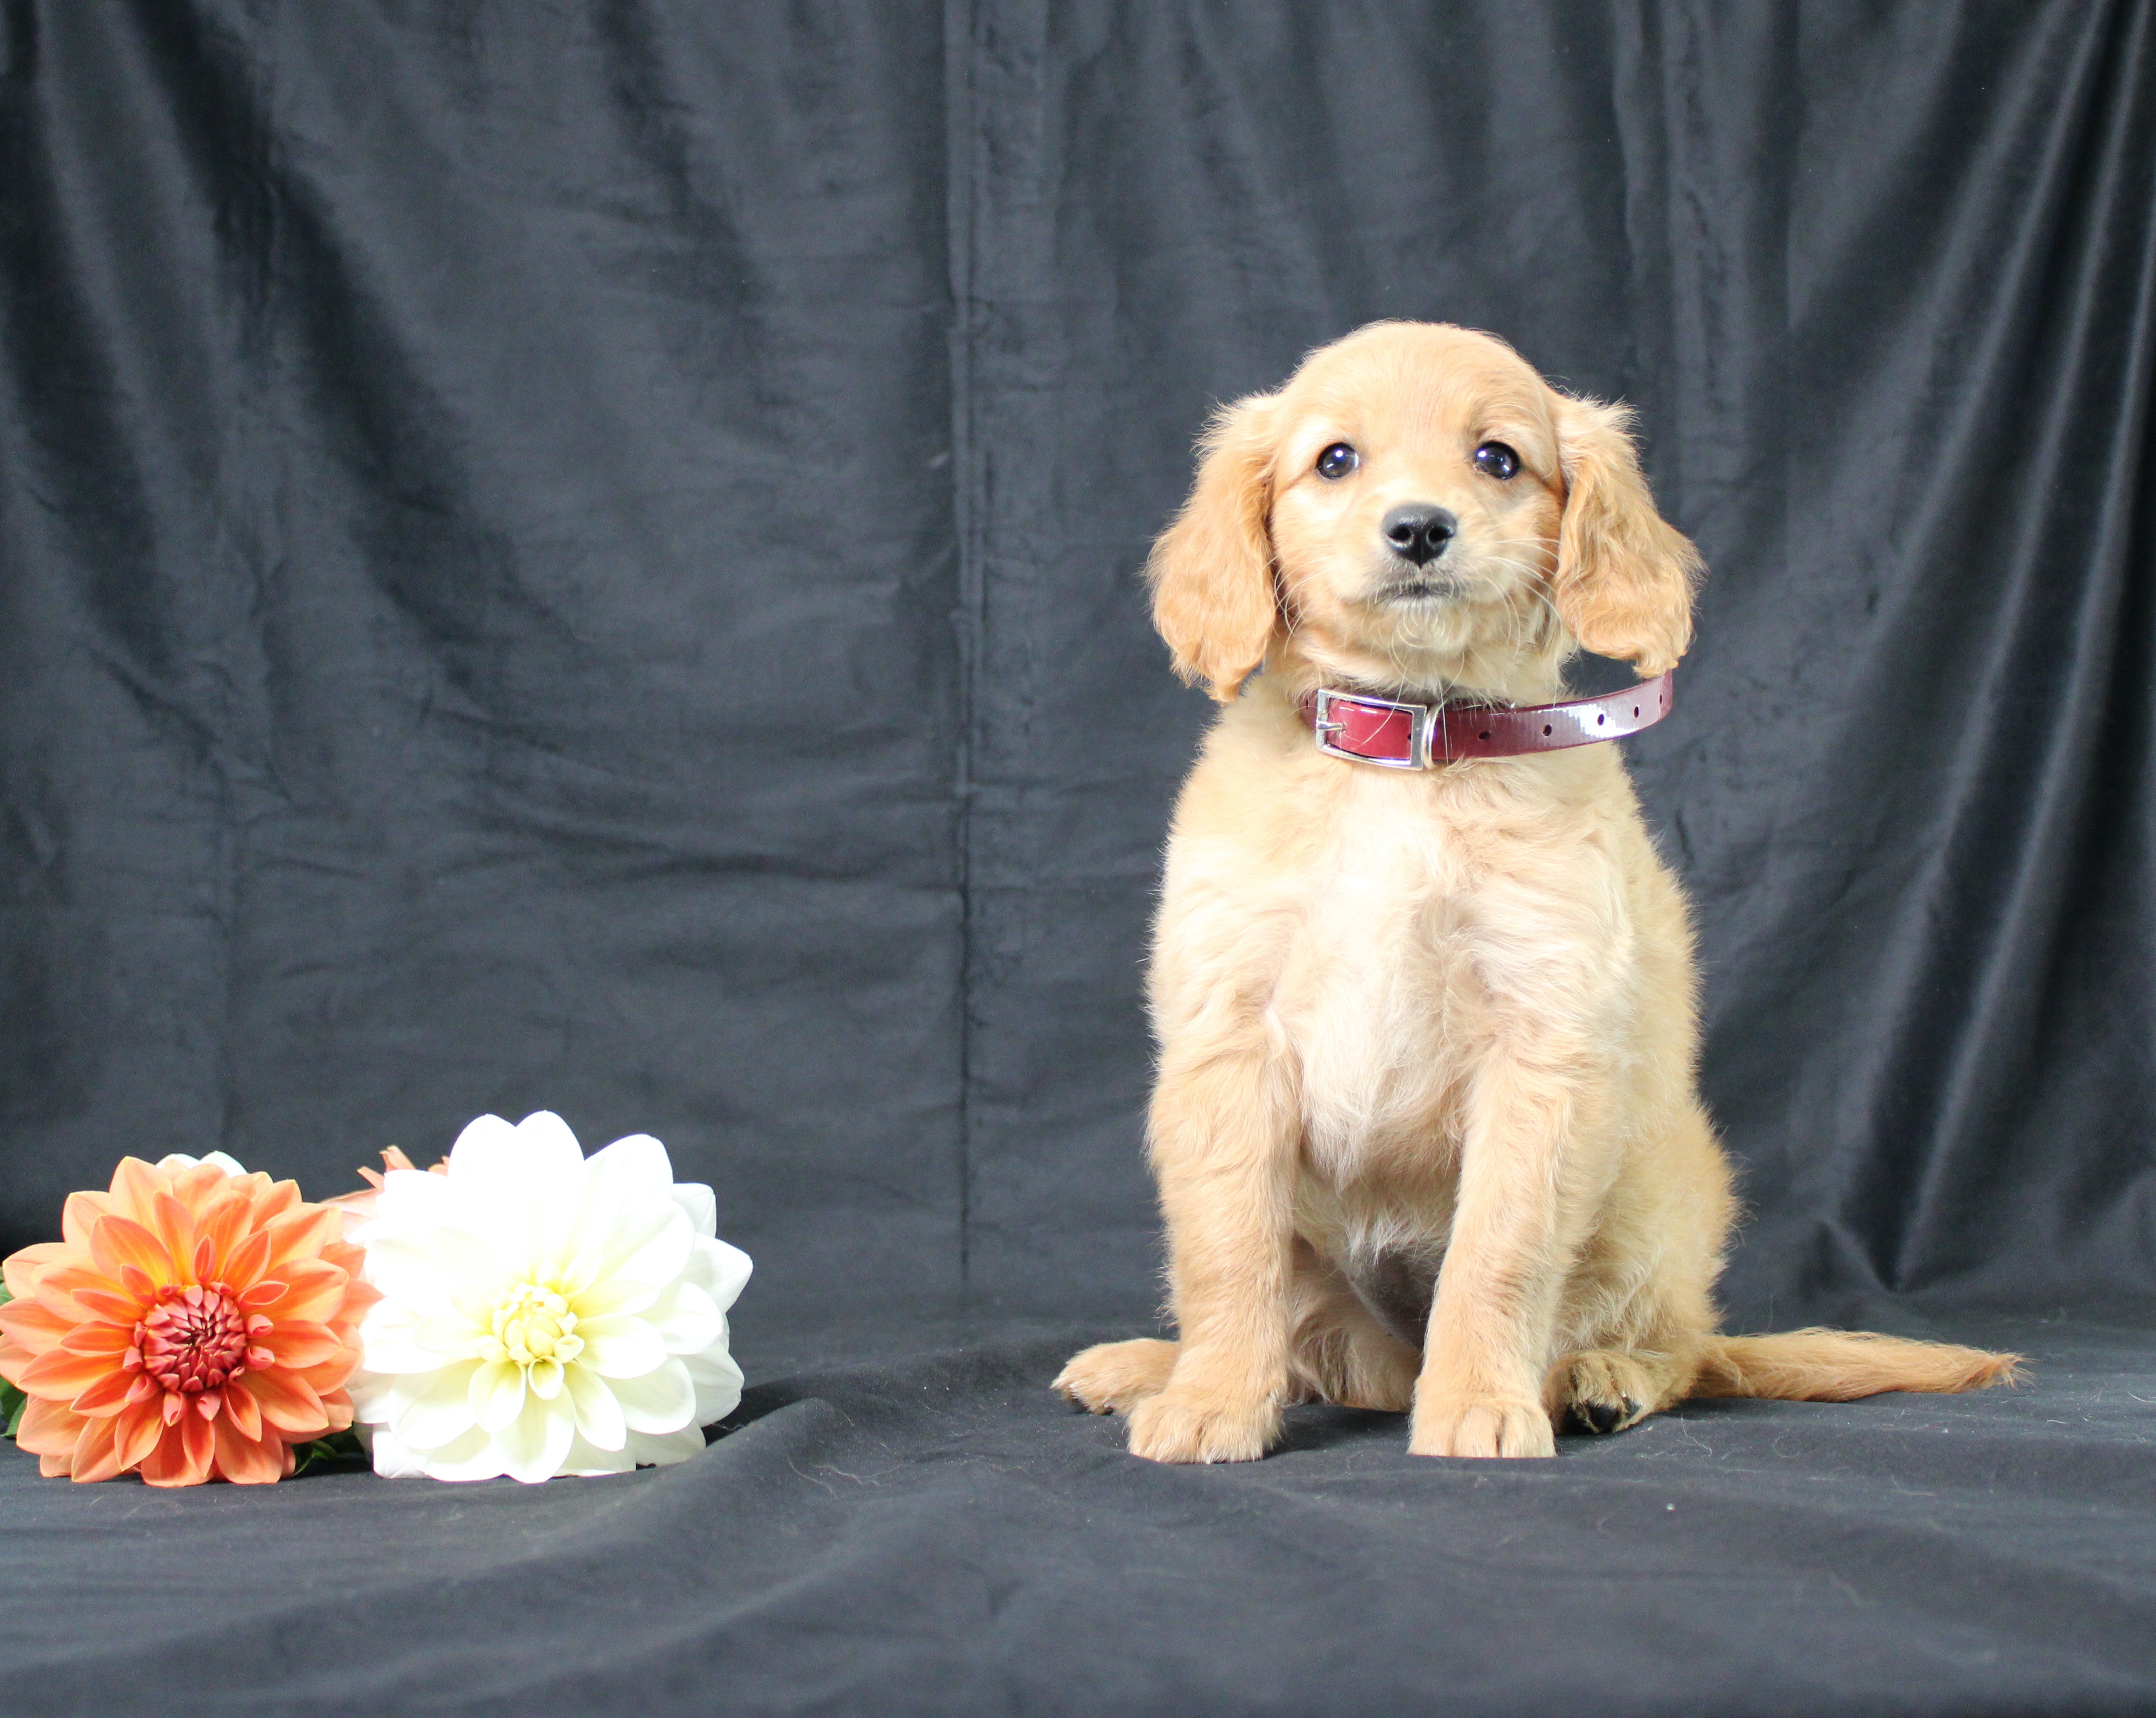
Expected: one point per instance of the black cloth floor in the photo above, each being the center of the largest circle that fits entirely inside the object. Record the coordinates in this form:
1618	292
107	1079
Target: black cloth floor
942	1533
585	557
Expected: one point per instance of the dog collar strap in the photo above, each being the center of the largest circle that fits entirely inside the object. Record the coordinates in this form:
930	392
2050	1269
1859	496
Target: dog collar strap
1396	735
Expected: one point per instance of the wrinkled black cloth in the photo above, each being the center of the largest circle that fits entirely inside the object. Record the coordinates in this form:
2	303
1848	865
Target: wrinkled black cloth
585	557
943	1535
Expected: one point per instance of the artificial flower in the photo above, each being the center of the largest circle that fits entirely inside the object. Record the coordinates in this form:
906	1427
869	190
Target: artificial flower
195	1321
542	1311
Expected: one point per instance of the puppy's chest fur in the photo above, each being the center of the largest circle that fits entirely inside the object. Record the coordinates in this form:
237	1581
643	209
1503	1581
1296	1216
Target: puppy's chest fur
1407	927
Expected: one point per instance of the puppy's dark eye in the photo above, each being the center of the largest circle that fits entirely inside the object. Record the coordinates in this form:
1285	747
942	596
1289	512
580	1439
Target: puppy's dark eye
1493	459
1336	461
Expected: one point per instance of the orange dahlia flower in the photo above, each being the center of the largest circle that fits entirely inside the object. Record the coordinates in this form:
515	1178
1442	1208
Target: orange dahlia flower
192	1323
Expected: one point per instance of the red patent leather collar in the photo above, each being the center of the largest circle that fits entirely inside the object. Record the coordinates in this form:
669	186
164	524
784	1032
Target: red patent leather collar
1397	734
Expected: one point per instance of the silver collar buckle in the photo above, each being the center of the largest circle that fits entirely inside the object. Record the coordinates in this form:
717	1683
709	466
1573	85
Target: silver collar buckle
1325	727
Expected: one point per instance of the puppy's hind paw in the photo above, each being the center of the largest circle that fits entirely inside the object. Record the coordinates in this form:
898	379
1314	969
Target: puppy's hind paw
1114	1377
1603	1390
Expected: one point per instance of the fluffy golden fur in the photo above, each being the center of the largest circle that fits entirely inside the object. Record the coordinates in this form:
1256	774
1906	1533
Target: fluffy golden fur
1425	1127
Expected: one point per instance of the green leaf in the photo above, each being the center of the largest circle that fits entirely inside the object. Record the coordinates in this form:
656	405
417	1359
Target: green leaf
13	1401
338	1449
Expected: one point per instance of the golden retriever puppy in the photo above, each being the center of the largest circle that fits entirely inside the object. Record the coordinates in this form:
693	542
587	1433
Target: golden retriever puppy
1425	1127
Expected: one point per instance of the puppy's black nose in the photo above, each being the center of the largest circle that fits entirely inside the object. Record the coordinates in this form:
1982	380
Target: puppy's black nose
1421	531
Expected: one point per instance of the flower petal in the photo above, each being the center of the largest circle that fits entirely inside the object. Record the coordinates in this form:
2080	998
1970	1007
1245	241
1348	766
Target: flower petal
393	1460
664	1254
587	1459
470	1261
490	1153
661	1401
599	1419
100	1337
370	1394
287	1401
94	1457
685	1319
612	1294
268	1199
244	1461
475	1455
174	1225
300	1344
389	1338
34	1325
718	1382
663	1449
80	1215
721	1271
547	1146
634	1171
449	1335
107	1396
62	1374
545	1379
239	1407
218	1226
118	1241
19	1270
496	1394
408	1193
167	1462
134	1188
401	1263
48	1428
183	1454
136	1433
428	1409
314	1292
700	1204
303	1233
245	1259
534	1445
620	1346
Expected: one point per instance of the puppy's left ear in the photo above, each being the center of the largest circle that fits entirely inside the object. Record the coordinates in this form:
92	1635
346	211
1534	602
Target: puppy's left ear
1624	578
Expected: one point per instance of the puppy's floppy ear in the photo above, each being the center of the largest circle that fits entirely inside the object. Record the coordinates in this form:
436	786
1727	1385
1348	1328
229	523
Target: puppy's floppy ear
1624	580
1212	570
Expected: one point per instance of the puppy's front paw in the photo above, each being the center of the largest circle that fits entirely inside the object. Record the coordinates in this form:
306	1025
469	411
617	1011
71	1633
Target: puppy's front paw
1483	1426
1114	1377
1183	1425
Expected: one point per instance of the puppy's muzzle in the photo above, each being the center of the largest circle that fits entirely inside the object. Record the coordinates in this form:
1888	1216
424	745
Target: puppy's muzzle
1419	531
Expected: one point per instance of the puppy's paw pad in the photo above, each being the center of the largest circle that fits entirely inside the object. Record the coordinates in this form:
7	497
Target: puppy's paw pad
1172	1426
1114	1377
1605	1416
1484	1427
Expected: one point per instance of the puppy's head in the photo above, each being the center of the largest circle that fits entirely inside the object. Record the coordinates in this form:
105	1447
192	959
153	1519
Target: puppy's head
1417	506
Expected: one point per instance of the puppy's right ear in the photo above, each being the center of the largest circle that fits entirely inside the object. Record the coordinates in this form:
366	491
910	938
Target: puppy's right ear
1212	570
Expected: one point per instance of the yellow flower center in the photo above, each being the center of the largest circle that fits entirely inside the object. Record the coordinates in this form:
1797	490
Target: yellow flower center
532	1323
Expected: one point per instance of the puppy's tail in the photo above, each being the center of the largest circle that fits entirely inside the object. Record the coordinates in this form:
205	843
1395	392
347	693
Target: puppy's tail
1840	1365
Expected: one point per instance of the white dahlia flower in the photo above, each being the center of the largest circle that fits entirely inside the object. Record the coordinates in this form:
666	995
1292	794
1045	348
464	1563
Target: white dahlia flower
542	1311
180	1161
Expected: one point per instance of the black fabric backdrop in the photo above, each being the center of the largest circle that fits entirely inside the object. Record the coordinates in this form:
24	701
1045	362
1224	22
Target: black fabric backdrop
583	556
